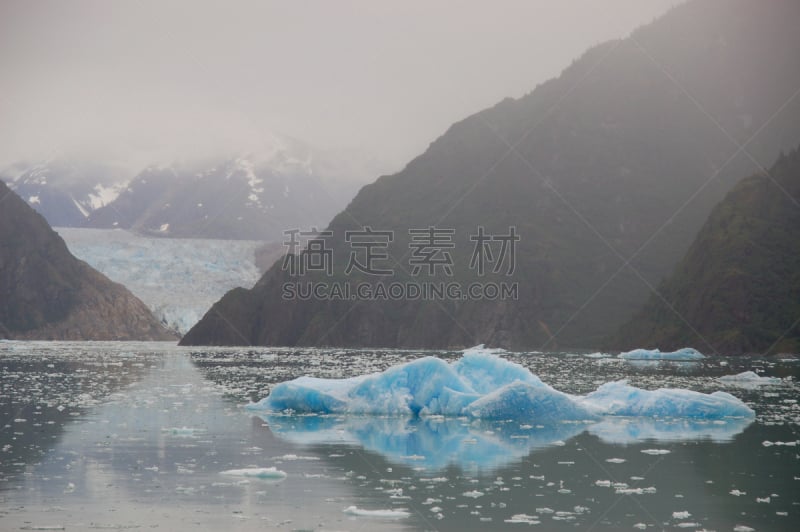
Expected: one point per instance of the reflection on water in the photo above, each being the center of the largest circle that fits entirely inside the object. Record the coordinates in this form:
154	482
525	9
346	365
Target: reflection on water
137	436
429	443
627	431
435	443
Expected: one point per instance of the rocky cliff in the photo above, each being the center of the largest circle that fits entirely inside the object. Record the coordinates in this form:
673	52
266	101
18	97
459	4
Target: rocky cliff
606	173
47	294
737	290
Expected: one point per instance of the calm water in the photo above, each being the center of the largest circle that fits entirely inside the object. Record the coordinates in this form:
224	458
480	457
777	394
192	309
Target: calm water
135	436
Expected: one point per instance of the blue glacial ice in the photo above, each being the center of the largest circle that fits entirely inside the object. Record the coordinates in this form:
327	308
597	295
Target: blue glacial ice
482	385
687	353
520	400
621	399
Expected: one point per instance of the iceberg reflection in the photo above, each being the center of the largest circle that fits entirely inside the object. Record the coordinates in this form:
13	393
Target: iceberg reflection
628	430
432	443
484	411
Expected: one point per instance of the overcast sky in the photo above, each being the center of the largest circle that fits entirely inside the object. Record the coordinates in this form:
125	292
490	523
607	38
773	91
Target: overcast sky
144	79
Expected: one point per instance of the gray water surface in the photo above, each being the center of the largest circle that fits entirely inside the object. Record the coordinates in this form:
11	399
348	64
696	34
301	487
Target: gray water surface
137	435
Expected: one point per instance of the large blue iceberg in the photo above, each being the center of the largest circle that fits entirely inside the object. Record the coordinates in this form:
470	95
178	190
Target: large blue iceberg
687	353
482	385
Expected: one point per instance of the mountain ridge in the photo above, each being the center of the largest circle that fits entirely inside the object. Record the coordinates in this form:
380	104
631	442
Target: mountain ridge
48	294
603	158
737	290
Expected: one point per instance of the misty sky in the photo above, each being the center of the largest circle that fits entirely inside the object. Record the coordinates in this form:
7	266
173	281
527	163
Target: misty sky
149	81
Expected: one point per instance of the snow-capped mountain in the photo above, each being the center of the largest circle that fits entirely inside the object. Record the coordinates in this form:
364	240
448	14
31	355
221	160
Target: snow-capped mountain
66	192
237	198
257	195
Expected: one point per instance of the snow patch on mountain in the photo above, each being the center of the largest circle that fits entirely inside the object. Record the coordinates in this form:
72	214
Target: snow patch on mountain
103	195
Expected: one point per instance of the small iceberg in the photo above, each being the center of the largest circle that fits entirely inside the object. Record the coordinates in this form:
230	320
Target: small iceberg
749	379
182	432
687	353
382	514
262	473
482	385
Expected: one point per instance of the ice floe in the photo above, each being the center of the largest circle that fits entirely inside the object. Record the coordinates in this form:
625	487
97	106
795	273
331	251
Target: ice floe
385	514
483	385
687	353
263	473
749	379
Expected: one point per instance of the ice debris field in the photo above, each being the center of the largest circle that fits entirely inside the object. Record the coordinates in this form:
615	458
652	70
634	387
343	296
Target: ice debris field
482	385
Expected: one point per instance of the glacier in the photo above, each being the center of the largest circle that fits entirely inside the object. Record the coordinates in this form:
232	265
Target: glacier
687	353
178	279
483	385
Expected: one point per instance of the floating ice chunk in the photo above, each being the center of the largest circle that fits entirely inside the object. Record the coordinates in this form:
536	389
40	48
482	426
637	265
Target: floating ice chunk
620	399
635	491
523	519
485	373
386	514
474	494
655	452
523	400
425	386
481	348
264	473
182	431
687	353
743	528
681	515
748	379
308	394
767	443
483	385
